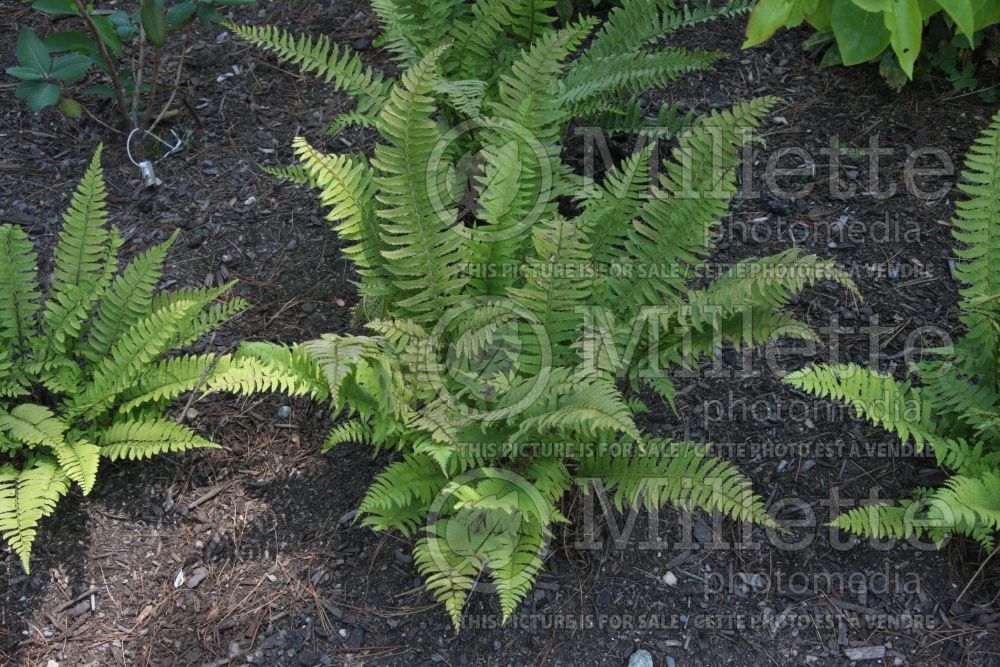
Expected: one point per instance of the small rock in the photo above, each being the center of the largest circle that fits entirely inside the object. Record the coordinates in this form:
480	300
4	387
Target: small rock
702	533
865	653
292	245
641	658
309	657
808	465
356	638
198	576
603	597
284	412
670	579
362	43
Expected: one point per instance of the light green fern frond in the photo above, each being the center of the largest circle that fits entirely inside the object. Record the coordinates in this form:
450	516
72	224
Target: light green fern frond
448	575
678	473
128	299
143	438
26	496
335	64
894	406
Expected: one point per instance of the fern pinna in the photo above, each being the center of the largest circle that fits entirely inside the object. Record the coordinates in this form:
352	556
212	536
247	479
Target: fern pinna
84	372
955	407
498	296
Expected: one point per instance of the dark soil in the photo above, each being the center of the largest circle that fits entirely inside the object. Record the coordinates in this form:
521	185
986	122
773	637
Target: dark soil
248	554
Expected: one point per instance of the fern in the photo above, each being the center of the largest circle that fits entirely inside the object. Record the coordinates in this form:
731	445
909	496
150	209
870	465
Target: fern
956	408
482	253
87	378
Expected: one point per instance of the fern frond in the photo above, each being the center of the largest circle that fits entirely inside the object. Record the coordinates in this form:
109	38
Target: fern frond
294	173
347	188
478	40
675	226
448	575
128	299
338	356
514	566
894	406
79	459
26	496
335	64
34	425
292	361
532	19
353	431
681	474
400	495
425	258
588	88
144	438
19	292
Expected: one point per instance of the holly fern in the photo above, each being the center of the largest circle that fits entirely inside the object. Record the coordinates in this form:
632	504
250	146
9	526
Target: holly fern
84	373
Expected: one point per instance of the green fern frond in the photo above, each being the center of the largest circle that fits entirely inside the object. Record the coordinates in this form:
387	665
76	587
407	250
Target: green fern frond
347	188
400	495
144	438
588	88
338	356
128	299
478	40
880	521
26	496
351	431
19	291
335	64
292	361
532	19
34	425
425	258
449	576
294	173
894	406
675	226
515	566
678	473
79	460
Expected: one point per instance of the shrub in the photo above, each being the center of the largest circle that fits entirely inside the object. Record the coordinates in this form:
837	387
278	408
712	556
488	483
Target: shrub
498	296
48	81
84	373
906	37
955	408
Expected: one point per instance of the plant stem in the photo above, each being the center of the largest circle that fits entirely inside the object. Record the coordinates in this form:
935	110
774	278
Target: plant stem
157	59
177	80
137	84
115	81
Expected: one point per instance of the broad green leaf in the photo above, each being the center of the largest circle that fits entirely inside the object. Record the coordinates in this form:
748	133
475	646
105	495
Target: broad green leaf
860	35
108	34
179	14
71	40
962	13
906	27
25	73
38	94
873	5
766	18
70	68
55	6
32	52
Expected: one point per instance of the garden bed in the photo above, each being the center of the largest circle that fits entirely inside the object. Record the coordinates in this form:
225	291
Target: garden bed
248	554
